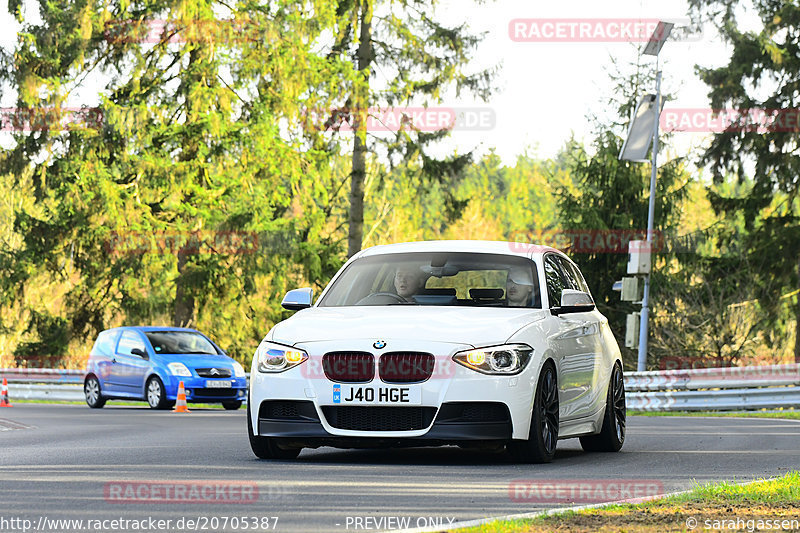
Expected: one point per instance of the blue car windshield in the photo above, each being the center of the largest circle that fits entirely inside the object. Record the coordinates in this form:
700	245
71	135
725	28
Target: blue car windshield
180	342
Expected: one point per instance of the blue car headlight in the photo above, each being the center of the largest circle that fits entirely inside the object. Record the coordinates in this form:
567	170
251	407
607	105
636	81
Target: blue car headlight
271	357
238	370
179	369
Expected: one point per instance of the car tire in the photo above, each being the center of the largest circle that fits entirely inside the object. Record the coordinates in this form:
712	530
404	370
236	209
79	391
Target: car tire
612	434
92	393
540	446
266	447
232	405
155	394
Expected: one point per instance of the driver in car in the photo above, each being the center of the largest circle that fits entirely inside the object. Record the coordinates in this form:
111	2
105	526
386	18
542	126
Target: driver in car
407	281
519	287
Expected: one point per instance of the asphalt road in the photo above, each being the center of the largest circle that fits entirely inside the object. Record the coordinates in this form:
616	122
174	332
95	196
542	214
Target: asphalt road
65	462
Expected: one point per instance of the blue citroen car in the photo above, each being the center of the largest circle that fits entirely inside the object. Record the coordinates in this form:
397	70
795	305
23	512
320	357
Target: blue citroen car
147	363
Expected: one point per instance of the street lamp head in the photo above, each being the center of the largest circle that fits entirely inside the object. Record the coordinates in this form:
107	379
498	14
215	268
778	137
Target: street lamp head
658	38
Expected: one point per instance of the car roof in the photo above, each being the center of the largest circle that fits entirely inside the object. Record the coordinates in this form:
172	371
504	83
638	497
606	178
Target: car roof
154	328
493	247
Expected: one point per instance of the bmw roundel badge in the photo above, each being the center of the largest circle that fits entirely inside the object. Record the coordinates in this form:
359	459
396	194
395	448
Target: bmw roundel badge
378	345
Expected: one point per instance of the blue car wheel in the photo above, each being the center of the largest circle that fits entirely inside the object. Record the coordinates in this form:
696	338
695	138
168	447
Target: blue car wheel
91	389
232	405
156	395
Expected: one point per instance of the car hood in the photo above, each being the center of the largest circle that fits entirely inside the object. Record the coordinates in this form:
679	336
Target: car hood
196	360
463	325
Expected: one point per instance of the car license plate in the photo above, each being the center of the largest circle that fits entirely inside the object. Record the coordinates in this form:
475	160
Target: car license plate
218	384
354	395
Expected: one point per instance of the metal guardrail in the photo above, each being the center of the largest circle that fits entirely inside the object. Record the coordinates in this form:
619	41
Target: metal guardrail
44	384
715	389
59	385
52	391
42	375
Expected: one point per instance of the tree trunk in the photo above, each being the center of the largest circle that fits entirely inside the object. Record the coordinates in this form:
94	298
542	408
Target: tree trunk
183	307
360	102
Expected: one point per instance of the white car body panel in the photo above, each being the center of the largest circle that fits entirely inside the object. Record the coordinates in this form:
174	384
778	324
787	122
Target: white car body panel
435	324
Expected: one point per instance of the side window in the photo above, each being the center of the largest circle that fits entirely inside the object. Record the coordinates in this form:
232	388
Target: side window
104	345
128	341
569	277
555	280
574	276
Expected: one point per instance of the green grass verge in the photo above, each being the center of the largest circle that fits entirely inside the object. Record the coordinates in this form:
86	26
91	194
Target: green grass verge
775	499
791	414
780	490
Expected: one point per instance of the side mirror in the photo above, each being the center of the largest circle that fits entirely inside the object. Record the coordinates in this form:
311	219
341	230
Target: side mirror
573	301
298	299
138	351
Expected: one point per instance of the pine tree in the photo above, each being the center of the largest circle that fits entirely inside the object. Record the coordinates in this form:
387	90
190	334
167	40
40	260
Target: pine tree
763	73
186	198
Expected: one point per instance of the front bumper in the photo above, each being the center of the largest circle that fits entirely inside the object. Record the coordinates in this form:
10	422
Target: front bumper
451	385
452	423
197	389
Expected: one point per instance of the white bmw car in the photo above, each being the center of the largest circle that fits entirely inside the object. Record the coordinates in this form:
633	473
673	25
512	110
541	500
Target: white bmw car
482	344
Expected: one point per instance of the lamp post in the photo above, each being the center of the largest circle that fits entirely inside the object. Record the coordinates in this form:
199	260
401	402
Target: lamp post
634	149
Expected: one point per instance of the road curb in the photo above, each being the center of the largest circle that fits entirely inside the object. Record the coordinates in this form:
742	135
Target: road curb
549	512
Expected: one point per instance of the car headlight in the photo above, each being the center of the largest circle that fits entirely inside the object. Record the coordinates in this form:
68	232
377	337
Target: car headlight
238	370
273	357
179	369
503	360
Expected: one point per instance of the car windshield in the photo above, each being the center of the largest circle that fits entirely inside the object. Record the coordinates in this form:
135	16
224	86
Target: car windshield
437	278
180	342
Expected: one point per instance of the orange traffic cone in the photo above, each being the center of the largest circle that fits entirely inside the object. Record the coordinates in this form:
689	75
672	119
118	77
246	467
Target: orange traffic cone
4	395
180	405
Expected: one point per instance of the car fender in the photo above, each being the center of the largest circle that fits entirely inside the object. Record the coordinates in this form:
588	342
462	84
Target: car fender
165	380
611	355
98	366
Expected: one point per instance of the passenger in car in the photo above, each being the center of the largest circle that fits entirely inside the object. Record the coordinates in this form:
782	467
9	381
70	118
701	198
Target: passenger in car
407	281
519	287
